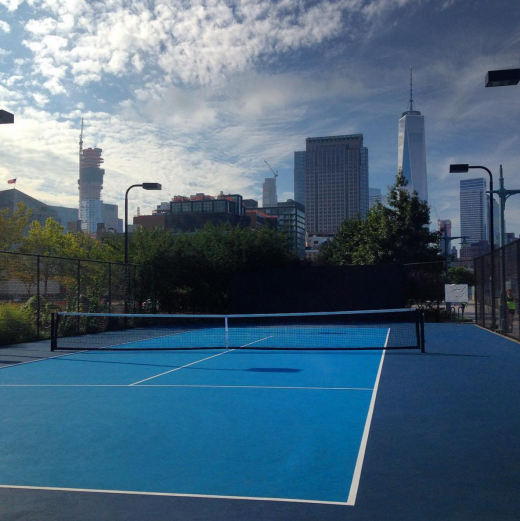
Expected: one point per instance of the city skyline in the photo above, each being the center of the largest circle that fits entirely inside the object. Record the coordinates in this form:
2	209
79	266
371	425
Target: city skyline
206	123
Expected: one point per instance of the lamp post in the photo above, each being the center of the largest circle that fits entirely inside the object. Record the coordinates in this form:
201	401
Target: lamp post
461	169
464	168
144	186
447	240
503	78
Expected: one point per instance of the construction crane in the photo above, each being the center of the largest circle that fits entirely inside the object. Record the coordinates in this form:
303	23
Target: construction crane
275	173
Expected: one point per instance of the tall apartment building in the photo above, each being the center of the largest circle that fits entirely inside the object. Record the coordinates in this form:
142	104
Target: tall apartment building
411	159
110	217
336	182
270	197
90	185
299	177
473	210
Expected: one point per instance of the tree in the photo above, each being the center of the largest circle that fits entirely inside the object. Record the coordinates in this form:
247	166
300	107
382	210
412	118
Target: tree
397	233
192	271
12	226
461	276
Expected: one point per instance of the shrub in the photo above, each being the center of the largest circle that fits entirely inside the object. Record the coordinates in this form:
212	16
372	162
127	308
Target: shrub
16	324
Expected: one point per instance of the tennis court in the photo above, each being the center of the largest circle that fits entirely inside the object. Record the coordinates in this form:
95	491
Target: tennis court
241	427
230	422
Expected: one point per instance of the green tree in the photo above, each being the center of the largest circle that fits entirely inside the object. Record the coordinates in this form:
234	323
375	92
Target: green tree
461	276
192	271
396	233
12	225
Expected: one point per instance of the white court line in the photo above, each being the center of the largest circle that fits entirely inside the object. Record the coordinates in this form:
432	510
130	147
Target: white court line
169	494
387	337
196	362
179	368
351	501
197	386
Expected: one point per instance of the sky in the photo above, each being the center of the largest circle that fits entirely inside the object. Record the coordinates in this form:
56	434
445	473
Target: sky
197	95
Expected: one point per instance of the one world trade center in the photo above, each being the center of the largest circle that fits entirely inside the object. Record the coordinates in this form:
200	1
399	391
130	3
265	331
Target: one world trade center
412	149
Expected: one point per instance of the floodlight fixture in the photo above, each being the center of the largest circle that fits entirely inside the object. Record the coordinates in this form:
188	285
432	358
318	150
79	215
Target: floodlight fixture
458	169
502	78
6	117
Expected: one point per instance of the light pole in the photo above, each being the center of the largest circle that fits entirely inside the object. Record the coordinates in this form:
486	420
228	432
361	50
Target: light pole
447	240
144	186
464	168
461	169
503	78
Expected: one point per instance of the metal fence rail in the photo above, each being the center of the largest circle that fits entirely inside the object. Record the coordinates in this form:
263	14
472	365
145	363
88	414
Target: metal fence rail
34	286
495	273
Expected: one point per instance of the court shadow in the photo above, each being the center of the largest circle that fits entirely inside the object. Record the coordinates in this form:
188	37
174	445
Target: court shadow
273	370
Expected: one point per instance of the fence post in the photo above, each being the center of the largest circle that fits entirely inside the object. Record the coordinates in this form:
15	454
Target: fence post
476	286
110	287
134	289
493	306
37	297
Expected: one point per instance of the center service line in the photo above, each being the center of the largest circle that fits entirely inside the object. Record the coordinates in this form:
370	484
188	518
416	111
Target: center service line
196	362
182	367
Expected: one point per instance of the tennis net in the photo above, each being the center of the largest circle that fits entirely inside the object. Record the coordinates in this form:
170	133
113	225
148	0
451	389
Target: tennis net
378	329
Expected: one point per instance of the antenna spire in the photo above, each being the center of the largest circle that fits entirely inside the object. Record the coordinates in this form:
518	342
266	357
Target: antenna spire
411	91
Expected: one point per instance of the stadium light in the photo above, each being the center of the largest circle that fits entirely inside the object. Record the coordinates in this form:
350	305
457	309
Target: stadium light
144	186
6	117
502	78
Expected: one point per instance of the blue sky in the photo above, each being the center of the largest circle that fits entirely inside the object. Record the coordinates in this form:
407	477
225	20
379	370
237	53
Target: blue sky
196	95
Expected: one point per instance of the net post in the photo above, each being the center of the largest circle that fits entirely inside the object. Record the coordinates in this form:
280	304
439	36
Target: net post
227	331
423	340
53	332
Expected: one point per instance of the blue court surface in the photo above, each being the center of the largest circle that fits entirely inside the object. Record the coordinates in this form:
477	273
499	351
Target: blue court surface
241	434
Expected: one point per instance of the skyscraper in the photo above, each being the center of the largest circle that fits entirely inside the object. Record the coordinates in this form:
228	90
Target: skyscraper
299	177
90	185
270	197
411	159
374	196
336	182
473	210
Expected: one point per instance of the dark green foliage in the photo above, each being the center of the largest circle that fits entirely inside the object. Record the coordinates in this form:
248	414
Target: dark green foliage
461	276
16	324
191	272
397	233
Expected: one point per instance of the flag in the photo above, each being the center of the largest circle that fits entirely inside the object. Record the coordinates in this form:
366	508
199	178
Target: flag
11	182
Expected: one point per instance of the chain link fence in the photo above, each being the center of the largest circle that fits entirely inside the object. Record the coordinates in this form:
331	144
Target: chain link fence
497	290
33	286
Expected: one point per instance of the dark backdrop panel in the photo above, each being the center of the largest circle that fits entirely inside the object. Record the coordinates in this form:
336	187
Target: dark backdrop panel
300	290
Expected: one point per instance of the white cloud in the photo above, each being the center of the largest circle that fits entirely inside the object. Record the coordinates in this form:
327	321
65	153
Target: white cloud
5	27
12	5
200	43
